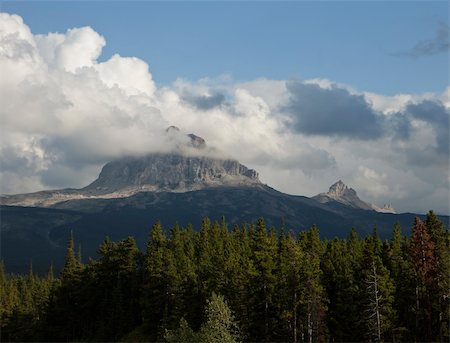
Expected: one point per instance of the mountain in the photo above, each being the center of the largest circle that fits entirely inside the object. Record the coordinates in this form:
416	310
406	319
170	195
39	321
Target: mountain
184	169
189	182
339	192
170	172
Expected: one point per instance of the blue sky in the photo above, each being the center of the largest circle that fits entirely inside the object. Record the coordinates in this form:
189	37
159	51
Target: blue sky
356	43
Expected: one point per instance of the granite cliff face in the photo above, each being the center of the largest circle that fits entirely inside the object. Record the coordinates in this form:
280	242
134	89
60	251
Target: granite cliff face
170	172
185	169
340	193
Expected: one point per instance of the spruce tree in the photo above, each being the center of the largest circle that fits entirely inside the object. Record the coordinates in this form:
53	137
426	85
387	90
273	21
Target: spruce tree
314	300
72	269
398	263
440	289
378	290
263	283
290	286
341	277
424	259
240	272
155	286
220	326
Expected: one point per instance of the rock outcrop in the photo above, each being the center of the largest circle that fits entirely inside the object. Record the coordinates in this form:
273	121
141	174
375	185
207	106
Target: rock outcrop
387	208
170	172
340	193
187	168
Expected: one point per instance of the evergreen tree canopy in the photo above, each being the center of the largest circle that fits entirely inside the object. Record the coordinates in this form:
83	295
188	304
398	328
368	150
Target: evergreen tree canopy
248	283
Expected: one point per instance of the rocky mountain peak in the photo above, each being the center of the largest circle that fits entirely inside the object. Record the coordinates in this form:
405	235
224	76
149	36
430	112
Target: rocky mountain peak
196	141
340	189
183	169
339	192
183	141
171	173
387	208
190	165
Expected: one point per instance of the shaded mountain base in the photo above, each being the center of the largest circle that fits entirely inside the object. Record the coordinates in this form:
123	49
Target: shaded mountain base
39	235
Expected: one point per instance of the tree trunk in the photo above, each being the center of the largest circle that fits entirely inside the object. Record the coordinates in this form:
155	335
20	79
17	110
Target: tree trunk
266	315
377	307
310	330
295	317
417	311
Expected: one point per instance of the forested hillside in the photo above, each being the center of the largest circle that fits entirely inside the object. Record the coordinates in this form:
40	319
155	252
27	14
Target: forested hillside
247	283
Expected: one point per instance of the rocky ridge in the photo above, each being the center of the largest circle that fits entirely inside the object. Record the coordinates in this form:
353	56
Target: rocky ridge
177	171
340	193
172	173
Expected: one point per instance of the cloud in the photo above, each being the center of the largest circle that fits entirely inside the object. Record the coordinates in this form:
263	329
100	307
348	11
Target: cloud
439	44
64	114
437	116
78	112
399	126
205	95
274	92
130	74
78	47
205	102
331	111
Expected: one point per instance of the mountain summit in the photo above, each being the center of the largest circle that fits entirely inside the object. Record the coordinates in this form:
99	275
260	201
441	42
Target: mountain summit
339	192
179	171
170	172
190	166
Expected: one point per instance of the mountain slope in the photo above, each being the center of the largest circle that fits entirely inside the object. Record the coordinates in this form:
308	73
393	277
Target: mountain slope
40	234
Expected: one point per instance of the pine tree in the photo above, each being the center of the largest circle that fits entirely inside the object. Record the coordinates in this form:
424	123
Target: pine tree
63	318
341	277
277	288
399	266
440	289
72	267
314	299
291	287
262	287
182	334
205	260
424	259
377	289
219	325
7	295
184	279
240	270
155	288
395	255
116	274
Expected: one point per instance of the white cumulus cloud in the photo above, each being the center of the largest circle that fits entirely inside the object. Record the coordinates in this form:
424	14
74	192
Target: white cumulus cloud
64	114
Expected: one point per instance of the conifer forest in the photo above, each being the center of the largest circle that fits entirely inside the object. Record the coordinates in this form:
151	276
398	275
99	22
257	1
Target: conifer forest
248	283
